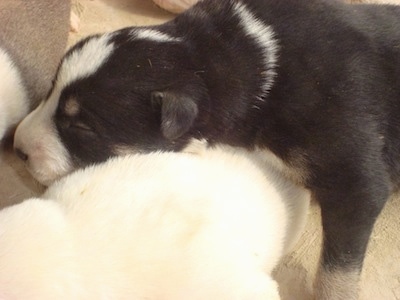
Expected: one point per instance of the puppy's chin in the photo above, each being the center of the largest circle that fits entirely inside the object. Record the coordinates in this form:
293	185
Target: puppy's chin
47	175
43	180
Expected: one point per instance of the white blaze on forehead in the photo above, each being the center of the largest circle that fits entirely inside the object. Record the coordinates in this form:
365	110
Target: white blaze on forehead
153	35
79	64
264	36
86	60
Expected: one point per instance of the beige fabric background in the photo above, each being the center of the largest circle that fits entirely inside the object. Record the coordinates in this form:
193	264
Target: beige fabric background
381	276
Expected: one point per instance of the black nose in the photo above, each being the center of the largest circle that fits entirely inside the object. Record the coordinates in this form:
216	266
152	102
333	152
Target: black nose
21	154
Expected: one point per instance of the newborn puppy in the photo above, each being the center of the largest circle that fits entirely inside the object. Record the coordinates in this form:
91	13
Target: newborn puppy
33	38
153	226
311	85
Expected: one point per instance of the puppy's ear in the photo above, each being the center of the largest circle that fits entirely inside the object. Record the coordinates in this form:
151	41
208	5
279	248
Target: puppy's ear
178	112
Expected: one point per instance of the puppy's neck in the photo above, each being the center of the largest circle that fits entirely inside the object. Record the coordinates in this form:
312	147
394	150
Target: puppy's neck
236	53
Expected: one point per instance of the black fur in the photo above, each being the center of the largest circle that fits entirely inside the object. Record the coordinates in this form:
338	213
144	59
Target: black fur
331	114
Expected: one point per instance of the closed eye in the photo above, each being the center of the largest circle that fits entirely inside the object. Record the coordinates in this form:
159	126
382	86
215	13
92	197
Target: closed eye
81	126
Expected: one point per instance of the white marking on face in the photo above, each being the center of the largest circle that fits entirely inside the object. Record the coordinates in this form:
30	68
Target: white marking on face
85	61
153	35
13	97
264	36
37	136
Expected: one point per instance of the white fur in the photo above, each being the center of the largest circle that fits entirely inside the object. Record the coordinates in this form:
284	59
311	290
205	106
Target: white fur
157	226
13	97
264	36
85	61
273	168
48	158
153	35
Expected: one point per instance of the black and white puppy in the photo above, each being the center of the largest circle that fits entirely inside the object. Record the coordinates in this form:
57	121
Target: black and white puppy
312	85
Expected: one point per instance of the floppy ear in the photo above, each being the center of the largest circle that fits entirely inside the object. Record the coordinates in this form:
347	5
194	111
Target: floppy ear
178	112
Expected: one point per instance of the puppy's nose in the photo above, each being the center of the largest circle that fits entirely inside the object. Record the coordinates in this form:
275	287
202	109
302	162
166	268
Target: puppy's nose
21	154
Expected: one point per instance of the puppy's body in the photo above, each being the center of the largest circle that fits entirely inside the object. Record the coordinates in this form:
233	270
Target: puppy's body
156	226
311	85
33	38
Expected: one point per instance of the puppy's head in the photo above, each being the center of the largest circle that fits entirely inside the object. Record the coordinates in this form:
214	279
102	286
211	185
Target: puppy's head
134	90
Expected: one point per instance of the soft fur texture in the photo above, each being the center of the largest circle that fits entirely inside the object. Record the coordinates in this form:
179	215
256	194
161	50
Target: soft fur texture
205	225
33	38
13	96
313	86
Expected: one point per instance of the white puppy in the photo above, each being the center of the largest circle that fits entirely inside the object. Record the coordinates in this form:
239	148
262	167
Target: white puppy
155	226
33	38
